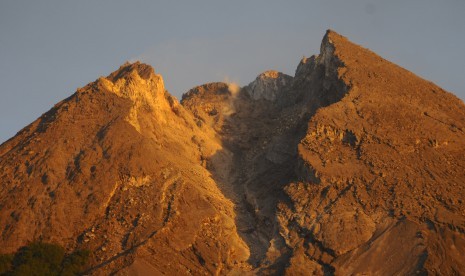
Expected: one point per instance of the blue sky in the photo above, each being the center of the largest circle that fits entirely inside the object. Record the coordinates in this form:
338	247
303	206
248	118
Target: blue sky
50	48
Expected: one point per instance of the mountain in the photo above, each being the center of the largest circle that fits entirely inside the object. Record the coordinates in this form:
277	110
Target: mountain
351	166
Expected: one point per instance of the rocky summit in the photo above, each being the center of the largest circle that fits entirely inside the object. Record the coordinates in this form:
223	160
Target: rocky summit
354	166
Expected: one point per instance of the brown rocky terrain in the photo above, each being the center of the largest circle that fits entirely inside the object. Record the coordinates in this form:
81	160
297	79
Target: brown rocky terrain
352	166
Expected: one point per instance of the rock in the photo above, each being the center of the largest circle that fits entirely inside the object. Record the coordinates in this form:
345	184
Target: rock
268	85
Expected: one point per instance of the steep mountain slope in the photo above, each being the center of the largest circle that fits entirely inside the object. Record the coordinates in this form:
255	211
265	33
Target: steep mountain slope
116	168
352	166
382	185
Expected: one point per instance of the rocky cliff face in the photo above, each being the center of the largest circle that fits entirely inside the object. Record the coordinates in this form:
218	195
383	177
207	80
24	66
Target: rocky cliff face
268	85
352	166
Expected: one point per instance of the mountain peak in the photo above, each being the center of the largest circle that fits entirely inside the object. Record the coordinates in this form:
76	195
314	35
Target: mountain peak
136	81
270	74
144	71
332	34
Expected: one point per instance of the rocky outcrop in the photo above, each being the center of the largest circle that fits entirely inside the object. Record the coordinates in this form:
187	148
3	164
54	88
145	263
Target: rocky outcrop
211	103
268	85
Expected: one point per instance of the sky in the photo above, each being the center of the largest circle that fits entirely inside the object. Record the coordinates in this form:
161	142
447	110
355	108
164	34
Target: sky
48	49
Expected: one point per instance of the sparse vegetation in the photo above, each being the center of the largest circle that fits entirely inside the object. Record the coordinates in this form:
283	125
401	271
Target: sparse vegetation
41	258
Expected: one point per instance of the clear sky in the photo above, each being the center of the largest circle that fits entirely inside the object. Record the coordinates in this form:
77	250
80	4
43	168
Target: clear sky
50	48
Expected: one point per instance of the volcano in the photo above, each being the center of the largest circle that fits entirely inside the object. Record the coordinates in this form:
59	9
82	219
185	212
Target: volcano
354	165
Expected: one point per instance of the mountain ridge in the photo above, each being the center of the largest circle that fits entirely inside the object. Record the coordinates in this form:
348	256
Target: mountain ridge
310	173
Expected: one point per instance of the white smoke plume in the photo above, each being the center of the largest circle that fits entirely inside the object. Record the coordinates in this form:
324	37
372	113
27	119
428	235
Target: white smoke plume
234	89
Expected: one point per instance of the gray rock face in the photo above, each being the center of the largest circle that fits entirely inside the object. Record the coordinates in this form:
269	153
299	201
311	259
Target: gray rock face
305	67
268	85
